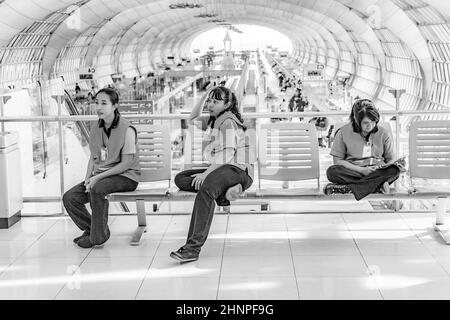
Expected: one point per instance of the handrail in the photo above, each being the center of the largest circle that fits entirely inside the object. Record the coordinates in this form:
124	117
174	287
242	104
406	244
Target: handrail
187	83
285	71
74	111
252	115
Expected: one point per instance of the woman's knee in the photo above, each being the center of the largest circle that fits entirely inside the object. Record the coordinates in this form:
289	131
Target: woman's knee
393	171
180	180
67	197
210	187
333	172
98	189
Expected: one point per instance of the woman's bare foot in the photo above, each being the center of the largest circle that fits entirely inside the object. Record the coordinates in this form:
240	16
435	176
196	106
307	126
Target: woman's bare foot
233	193
385	188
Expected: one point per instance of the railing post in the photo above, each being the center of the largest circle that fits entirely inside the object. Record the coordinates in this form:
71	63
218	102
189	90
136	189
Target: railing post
59	100
194	90
3	101
397	93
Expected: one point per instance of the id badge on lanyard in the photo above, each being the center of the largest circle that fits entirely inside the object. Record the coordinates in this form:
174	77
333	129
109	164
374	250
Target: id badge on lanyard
367	150
103	154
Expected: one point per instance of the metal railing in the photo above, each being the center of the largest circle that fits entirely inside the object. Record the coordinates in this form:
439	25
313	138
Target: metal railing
60	119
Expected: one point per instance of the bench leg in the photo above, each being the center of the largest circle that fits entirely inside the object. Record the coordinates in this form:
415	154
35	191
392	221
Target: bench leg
142	223
439	225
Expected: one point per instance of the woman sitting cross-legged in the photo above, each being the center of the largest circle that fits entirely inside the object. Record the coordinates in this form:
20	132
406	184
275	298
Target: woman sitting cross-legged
362	152
230	172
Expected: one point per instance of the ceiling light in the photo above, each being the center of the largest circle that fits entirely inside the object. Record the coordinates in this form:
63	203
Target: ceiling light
206	15
185	6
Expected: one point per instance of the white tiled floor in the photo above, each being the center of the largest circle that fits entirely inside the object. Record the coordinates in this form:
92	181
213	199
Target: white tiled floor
268	256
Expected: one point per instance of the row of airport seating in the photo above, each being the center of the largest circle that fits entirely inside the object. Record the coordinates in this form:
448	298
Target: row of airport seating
285	152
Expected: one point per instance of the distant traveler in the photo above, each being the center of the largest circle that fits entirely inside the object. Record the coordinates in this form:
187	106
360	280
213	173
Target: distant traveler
296	103
77	88
280	79
321	124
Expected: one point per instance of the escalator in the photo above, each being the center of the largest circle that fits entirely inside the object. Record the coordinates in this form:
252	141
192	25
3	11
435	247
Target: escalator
83	129
73	111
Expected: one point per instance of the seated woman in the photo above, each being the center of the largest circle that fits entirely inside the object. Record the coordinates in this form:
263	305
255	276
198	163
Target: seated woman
113	167
362	152
231	170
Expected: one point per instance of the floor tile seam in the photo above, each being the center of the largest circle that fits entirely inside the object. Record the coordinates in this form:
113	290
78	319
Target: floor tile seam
79	266
292	258
426	248
222	256
28	247
75	271
363	258
153	258
442	266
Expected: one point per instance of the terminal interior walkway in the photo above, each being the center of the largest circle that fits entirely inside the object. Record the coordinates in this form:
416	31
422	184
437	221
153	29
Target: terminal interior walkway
265	255
247	256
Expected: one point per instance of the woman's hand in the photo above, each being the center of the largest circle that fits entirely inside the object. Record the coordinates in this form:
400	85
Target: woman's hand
89	183
365	171
198	180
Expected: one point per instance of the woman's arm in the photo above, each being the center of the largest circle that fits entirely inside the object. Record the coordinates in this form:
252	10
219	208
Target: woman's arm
338	152
127	157
388	149
90	168
346	164
198	108
362	170
116	170
226	156
121	167
223	157
225	153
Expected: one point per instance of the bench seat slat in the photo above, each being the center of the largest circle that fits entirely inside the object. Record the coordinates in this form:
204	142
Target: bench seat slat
276	194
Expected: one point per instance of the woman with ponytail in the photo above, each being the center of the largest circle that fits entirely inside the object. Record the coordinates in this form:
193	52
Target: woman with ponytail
113	167
230	172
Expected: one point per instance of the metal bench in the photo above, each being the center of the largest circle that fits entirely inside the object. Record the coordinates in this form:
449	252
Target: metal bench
156	164
289	152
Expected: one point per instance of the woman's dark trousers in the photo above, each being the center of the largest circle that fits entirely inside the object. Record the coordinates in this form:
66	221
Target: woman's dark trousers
361	185
212	190
96	225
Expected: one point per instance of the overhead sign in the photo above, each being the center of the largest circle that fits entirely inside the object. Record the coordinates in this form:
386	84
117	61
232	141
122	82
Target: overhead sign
86	76
314	72
86	73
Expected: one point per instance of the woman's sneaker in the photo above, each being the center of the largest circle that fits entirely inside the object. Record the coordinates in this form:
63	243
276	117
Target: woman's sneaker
183	255
233	193
333	188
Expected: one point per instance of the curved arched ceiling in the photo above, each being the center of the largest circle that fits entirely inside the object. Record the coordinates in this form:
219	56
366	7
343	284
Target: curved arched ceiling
313	24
